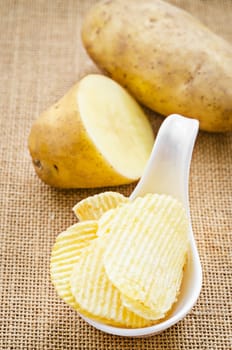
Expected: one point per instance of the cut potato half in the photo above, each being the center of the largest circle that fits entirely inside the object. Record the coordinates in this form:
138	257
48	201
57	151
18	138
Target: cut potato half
96	135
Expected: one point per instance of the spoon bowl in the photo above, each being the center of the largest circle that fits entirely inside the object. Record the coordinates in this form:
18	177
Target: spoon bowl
167	172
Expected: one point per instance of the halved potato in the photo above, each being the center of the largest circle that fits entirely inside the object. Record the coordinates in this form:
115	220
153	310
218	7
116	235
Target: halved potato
96	135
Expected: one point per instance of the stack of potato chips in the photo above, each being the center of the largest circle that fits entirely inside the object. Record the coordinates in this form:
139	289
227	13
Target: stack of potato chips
122	263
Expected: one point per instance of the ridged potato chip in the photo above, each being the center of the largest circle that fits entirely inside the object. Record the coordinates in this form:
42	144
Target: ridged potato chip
66	252
95	293
104	223
146	253
92	208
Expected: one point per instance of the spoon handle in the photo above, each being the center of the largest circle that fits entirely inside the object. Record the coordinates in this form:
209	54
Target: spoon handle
167	170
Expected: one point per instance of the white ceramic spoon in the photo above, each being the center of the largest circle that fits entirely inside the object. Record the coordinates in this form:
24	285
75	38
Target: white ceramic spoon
167	172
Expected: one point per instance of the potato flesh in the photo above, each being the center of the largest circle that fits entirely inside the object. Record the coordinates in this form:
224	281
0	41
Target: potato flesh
116	124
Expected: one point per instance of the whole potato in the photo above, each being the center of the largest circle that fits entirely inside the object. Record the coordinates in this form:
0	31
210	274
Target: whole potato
165	57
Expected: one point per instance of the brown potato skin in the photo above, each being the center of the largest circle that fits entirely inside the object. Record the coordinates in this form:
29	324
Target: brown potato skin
165	57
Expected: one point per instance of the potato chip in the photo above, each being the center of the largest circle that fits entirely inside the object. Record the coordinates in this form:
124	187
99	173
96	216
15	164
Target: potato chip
66	251
95	293
104	223
93	207
146	253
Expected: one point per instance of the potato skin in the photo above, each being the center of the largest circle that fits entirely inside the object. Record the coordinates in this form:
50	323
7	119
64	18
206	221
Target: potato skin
165	57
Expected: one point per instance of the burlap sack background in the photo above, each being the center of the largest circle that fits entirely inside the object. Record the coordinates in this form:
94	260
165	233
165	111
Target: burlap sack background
41	57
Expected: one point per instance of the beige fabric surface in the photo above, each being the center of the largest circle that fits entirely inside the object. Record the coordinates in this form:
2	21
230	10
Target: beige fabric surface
41	57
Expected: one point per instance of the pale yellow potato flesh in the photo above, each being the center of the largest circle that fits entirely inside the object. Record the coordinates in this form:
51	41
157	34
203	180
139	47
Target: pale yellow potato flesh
121	129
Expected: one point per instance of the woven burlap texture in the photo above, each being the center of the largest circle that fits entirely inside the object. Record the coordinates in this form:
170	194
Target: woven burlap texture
41	58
